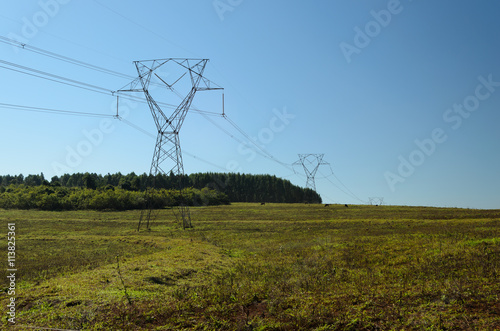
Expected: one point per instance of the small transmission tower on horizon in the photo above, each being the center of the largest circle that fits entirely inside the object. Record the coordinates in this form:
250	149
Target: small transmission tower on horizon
378	201
310	163
183	77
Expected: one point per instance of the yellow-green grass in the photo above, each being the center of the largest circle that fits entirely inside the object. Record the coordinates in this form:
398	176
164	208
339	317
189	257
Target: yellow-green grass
264	267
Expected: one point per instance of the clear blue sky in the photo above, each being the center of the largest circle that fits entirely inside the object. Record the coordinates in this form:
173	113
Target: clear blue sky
402	97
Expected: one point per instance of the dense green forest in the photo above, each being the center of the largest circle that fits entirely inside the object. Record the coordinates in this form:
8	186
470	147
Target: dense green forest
121	192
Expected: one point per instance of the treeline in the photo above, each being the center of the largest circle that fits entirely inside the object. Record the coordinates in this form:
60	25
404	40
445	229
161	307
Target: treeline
47	197
237	187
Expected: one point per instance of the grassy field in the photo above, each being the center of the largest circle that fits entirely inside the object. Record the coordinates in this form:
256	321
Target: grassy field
257	267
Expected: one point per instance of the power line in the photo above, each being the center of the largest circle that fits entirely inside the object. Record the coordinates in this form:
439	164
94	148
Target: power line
54	78
75	113
328	179
98	89
80	63
71	82
263	152
79	84
86	114
149	134
341	183
64	58
69	41
348	192
56	56
190	154
49	110
132	125
267	153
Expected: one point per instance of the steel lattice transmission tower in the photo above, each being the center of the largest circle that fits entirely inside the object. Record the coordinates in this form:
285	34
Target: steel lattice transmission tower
310	163
183	77
379	201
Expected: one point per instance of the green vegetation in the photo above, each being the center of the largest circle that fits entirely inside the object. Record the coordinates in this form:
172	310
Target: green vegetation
107	198
237	187
262	267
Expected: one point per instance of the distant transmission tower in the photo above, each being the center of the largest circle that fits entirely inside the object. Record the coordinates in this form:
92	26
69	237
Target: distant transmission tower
310	163
378	201
184	77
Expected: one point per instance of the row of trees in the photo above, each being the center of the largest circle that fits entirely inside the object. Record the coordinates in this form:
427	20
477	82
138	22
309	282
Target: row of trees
109	198
238	187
